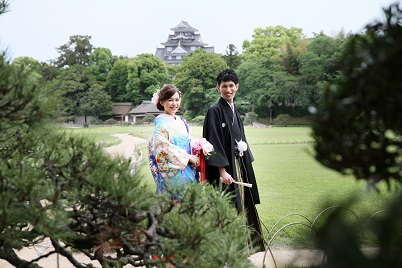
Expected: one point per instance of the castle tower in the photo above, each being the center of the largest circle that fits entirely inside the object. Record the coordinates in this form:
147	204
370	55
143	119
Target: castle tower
183	41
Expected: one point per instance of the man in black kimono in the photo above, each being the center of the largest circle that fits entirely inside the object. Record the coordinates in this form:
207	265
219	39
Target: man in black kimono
232	162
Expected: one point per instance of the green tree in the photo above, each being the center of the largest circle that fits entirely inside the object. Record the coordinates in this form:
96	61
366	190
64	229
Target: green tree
290	56
274	72
30	65
311	76
116	81
270	41
28	62
358	129
286	70
48	72
101	62
311	68
265	81
232	57
319	64
71	83
328	50
146	74
290	60
95	102
196	77
361	105
76	52
172	71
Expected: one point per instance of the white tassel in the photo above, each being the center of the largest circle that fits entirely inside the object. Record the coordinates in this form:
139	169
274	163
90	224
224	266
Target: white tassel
241	146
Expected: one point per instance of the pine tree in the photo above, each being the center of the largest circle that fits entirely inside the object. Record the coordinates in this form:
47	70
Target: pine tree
67	190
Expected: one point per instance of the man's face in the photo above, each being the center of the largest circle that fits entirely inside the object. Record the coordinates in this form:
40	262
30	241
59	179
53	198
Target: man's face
228	90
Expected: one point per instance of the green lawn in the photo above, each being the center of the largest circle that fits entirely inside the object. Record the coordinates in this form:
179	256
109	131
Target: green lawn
290	181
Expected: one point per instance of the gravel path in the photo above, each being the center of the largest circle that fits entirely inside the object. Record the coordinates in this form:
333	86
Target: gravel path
127	145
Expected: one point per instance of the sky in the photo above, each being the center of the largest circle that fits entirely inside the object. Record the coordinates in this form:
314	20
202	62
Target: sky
36	28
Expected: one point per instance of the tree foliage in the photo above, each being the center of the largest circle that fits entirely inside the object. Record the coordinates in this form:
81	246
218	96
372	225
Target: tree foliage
101	61
360	112
264	82
146	74
270	41
357	129
195	76
76	52
66	190
136	79
116	81
281	72
284	72
232	57
30	65
28	62
47	72
96	102
71	83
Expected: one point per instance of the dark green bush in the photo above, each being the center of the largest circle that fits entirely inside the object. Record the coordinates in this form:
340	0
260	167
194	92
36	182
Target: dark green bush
282	120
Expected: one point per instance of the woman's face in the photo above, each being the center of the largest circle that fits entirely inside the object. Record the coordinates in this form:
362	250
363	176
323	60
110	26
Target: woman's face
172	104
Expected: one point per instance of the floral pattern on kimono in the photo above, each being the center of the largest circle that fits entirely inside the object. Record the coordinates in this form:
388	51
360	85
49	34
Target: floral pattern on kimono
168	150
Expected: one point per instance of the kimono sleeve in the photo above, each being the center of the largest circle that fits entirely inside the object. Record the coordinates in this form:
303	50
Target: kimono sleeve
168	156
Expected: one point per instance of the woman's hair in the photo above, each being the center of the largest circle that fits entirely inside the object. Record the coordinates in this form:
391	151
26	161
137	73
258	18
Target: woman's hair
165	93
227	75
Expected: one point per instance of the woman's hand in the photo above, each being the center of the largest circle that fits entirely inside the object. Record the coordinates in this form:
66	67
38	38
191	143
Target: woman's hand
193	159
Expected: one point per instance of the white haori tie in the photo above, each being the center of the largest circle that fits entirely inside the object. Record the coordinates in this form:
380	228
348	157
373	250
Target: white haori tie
241	147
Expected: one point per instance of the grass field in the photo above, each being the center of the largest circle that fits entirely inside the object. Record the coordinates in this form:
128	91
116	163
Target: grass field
290	180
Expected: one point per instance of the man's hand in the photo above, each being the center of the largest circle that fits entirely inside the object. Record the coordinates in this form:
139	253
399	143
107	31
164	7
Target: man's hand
225	177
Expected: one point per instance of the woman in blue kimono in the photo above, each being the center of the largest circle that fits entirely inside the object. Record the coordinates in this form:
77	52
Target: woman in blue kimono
169	150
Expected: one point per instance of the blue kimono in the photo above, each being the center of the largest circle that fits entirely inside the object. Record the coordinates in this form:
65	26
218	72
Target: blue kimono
168	153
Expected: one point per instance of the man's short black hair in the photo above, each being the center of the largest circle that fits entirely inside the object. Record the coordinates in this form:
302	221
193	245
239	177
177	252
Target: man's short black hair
227	75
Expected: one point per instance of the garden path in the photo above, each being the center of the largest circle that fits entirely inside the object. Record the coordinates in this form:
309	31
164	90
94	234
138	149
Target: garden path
126	146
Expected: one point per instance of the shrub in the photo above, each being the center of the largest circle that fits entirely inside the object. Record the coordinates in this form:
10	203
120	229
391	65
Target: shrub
148	118
250	118
111	121
282	120
198	120
188	115
124	124
95	122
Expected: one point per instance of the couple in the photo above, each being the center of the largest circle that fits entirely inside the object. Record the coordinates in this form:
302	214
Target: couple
172	162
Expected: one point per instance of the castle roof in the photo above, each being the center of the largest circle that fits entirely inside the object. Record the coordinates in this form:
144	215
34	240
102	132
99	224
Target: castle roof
179	50
183	26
